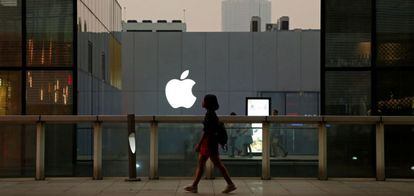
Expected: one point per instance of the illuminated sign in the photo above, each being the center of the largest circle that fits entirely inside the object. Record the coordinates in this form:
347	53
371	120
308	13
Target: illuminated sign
179	93
257	107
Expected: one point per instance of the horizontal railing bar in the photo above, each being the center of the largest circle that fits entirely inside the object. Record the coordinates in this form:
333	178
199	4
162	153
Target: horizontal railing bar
352	119
68	118
19	119
295	119
398	120
72	119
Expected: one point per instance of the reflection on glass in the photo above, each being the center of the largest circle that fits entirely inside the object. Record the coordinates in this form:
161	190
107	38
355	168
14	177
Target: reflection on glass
348	93
49	92
10	93
49	33
348	33
10	33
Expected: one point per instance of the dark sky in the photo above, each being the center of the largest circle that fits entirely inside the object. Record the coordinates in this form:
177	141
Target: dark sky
205	15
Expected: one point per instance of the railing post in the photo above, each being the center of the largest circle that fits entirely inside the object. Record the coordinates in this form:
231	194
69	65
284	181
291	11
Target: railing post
323	173
265	151
209	170
97	150
40	151
132	158
380	162
154	151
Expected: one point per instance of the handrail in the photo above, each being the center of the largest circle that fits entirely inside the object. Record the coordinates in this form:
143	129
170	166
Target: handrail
59	119
154	121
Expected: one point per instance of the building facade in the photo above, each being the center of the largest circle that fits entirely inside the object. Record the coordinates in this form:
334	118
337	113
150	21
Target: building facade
237	14
367	68
43	71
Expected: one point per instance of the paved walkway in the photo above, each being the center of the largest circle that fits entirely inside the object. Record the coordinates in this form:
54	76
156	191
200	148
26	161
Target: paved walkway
118	187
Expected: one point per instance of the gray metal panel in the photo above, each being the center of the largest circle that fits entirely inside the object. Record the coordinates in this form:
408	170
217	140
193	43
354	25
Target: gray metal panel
169	58
310	56
128	62
146	103
217	67
145	61
288	54
238	102
265	63
194	58
240	62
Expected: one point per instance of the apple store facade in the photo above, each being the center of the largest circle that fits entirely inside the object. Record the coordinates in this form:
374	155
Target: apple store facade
169	74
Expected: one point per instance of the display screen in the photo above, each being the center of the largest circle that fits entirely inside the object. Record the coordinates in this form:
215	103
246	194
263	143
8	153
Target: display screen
257	107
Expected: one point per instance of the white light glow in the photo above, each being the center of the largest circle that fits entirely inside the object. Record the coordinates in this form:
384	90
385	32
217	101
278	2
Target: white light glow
137	165
257	107
412	168
354	158
179	92
131	140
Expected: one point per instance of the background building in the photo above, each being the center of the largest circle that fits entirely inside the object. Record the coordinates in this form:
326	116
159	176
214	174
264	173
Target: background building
367	68
237	14
56	57
159	26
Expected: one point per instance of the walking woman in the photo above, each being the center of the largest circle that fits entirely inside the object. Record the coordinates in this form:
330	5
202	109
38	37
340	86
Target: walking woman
208	146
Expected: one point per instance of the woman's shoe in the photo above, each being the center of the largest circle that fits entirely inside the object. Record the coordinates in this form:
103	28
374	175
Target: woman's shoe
230	188
191	189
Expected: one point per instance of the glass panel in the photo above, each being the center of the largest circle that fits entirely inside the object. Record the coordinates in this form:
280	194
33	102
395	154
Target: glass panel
293	150
395	32
348	93
10	33
10	93
115	149
59	149
351	151
302	104
399	156
395	93
49	92
348	33
17	150
49	33
176	144
244	154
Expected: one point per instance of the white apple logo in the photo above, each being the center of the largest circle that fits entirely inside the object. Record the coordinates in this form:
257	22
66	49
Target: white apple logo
179	92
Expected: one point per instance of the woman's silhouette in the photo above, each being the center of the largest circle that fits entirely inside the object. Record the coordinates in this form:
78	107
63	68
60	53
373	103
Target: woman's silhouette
208	146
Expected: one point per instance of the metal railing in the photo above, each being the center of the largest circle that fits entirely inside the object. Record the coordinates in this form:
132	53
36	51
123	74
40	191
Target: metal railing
321	121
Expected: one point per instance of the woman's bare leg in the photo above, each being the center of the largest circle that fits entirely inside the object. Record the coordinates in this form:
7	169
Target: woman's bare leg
200	169
217	162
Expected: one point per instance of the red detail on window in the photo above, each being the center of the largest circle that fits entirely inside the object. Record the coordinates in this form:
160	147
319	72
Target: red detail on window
70	80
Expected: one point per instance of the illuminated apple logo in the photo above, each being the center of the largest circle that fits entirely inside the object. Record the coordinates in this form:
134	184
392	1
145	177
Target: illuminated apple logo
179	92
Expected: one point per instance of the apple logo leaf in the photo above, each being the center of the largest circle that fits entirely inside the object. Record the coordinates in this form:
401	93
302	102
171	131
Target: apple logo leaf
184	75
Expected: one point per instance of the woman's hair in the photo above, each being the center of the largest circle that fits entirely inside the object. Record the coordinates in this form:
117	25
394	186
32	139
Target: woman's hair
210	102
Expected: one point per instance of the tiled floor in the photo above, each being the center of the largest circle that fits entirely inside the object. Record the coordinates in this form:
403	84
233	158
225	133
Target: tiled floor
118	187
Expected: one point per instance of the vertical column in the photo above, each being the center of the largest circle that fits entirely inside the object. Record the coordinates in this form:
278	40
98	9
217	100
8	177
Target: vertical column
209	169
380	162
154	151
132	159
323	175
266	151
97	150
40	151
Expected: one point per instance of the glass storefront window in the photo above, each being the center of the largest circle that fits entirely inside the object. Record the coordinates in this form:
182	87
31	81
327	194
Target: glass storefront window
348	33
10	92
10	33
49	92
348	93
395	33
49	33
